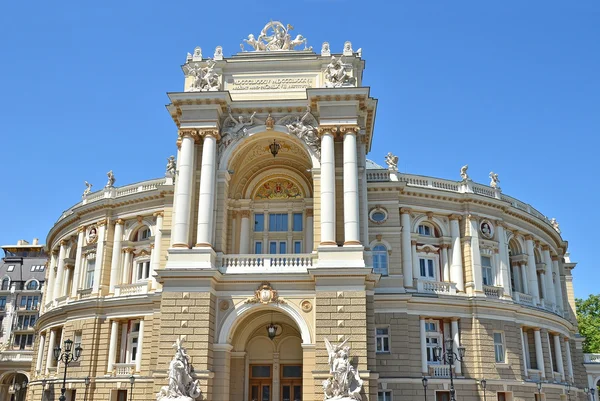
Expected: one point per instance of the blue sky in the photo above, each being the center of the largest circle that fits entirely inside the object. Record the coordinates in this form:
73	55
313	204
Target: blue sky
508	86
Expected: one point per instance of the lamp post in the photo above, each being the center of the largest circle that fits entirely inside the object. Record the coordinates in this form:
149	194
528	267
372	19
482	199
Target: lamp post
483	383
87	384
44	382
568	389
449	357
592	391
131	380
424	381
66	357
539	386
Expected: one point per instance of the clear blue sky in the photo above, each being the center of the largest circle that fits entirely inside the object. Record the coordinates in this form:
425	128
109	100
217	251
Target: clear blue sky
509	86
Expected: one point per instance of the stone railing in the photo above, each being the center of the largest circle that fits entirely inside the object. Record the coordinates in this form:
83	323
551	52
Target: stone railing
523	299
85	293
112	193
439	370
124	369
378	175
492	291
275	263
124	290
436	287
591	358
11	356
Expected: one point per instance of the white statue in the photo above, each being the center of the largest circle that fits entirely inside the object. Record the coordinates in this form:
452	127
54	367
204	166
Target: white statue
347	49
325	50
171	166
182	386
336	74
392	161
205	78
304	130
273	37
344	382
463	172
495	180
218	53
555	224
111	179
88	189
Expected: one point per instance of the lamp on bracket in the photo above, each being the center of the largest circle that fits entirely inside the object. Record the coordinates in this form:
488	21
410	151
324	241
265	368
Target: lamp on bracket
273	329
274	147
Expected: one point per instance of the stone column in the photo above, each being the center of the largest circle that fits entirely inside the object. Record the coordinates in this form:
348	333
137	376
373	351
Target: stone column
234	232
424	368
557	284
524	280
116	256
456	268
456	344
551	298
112	348
539	356
327	187
504	259
51	277
415	260
223	376
182	199
407	268
138	361
569	360
525	354
99	256
51	345
40	354
68	277
60	270
475	255
157	247
245	232
309	232
532	270
126	279
351	219
77	268
559	356
206	200
445	264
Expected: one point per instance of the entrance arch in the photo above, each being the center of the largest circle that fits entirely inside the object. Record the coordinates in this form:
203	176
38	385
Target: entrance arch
13	386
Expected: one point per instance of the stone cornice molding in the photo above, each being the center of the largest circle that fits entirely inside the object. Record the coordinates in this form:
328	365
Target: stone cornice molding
455	216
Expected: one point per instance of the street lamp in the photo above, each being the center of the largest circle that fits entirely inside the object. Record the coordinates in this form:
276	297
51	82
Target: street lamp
44	382
449	357
592	391
424	381
483	383
69	355
539	386
131	380
87	384
568	389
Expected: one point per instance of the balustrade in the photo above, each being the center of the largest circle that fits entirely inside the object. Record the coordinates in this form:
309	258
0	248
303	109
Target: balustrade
436	287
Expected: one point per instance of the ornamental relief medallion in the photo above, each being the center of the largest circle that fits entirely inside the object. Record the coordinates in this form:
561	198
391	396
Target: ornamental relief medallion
265	294
279	188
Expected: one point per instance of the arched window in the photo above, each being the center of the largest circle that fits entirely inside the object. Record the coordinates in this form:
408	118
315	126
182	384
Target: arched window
380	260
5	284
32	285
143	234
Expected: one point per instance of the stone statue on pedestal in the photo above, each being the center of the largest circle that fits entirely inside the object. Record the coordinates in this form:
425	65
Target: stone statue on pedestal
111	180
392	161
182	386
171	167
88	189
495	180
344	382
463	172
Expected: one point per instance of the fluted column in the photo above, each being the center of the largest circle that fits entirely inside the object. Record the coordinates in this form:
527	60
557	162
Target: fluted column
559	356
126	279
183	190
327	187
40	353
524	350
504	259
407	268
112	348
51	277
157	247
569	360
475	255
116	255
456	344
532	270
309	232
557	283
445	263
416	267
206	200
245	232
456	268
351	224
60	270
77	268
138	360
539	356
551	297
423	334
99	256
51	345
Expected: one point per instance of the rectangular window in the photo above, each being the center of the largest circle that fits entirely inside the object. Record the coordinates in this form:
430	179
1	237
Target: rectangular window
297	221
121	395
258	248
259	222
2	303
143	270
504	396
499	347
89	273
10	268
430	344
278	222
297	246
384	396
77	339
442	396
382	339
427	268
486	267
424	230
282	247
273	247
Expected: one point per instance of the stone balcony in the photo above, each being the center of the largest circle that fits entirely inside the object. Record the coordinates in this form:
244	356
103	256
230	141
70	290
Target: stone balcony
266	263
16	356
591	358
436	287
123	369
140	288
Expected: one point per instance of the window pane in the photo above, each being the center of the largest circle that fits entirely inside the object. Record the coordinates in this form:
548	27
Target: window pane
282	247
258	247
261	371
486	261
272	247
498	338
297	221
259	222
278	222
297	247
292	371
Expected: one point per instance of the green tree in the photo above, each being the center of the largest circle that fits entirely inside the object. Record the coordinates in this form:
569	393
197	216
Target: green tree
588	318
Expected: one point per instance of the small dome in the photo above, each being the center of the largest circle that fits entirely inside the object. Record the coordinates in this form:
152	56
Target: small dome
371	165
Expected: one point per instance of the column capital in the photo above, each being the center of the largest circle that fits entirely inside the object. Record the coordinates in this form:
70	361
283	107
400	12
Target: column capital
81	229
445	246
64	242
234	214
245	213
496	250
454	319
528	237
128	250
310	212
349	129
413	242
101	223
500	223
545	248
405	210
332	130
555	258
161	214
120	222
455	216
537	329
205	132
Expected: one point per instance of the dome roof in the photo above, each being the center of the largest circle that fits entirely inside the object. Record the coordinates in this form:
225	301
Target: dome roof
371	165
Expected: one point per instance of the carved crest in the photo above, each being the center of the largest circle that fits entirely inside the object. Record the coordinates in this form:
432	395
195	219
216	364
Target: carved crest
265	294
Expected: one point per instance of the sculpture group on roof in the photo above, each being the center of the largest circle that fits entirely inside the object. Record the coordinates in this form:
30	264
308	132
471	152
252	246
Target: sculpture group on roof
273	37
205	77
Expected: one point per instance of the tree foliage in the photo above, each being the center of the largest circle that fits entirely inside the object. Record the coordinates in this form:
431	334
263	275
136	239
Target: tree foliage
588	318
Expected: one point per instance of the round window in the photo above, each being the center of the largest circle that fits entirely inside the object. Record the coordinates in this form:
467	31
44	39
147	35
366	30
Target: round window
378	215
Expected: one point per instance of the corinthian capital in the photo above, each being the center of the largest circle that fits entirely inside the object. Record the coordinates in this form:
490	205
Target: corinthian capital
327	130
204	132
349	129
455	217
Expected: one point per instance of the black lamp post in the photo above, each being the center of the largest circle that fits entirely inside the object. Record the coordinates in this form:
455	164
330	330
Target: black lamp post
69	355
539	386
424	381
449	357
44	382
131	380
87	384
483	383
568	389
592	391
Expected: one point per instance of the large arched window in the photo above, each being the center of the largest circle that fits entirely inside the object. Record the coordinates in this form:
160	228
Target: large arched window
5	284
380	259
32	285
143	234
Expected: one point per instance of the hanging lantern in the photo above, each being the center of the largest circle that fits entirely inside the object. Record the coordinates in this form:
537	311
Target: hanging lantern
272	331
274	147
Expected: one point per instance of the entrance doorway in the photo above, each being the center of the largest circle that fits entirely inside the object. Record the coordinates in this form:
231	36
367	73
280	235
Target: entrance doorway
261	382
291	383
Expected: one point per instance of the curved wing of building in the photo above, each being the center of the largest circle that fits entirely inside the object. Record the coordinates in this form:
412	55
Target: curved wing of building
271	233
